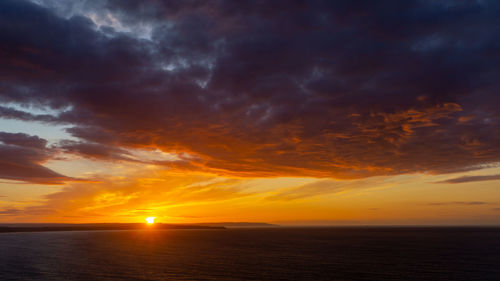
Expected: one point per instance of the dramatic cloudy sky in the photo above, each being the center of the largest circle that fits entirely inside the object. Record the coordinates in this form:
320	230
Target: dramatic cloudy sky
326	112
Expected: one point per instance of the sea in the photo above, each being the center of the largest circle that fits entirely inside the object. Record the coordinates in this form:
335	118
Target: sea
281	253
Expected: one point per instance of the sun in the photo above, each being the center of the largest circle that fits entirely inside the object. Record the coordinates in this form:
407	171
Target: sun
150	220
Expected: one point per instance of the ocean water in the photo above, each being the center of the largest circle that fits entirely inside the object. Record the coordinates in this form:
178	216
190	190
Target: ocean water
254	254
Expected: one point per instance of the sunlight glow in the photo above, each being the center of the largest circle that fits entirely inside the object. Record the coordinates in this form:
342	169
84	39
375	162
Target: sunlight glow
150	220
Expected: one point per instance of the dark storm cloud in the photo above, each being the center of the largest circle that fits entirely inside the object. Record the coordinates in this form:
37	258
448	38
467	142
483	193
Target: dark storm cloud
342	89
24	140
21	159
93	150
466	179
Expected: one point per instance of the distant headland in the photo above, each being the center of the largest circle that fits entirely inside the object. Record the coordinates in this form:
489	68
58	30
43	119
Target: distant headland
41	227
239	224
5	228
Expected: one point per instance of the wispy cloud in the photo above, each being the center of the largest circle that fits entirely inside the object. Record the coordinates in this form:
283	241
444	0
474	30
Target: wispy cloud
152	193
10	212
466	179
307	190
462	203
325	187
28	211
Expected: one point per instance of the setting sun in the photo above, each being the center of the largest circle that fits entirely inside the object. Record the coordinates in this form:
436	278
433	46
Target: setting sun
150	220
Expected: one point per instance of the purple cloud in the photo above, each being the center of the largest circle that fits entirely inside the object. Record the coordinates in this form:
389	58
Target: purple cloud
247	88
22	157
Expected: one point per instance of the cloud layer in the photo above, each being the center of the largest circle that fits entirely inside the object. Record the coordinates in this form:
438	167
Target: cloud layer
466	179
460	203
21	158
304	88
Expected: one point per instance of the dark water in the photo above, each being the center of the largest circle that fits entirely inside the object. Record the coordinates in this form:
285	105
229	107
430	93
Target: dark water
254	254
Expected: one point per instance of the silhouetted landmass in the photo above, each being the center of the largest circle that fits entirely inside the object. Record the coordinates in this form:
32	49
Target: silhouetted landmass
99	226
239	224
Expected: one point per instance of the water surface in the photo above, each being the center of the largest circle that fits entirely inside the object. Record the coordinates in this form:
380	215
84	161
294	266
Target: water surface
254	254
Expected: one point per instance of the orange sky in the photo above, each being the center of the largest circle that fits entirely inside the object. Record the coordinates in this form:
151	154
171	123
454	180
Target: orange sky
305	112
124	192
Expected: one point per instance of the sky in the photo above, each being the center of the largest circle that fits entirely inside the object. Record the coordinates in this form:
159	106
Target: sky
289	112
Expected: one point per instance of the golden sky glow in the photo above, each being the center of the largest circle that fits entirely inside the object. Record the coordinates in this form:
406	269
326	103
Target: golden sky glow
133	192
